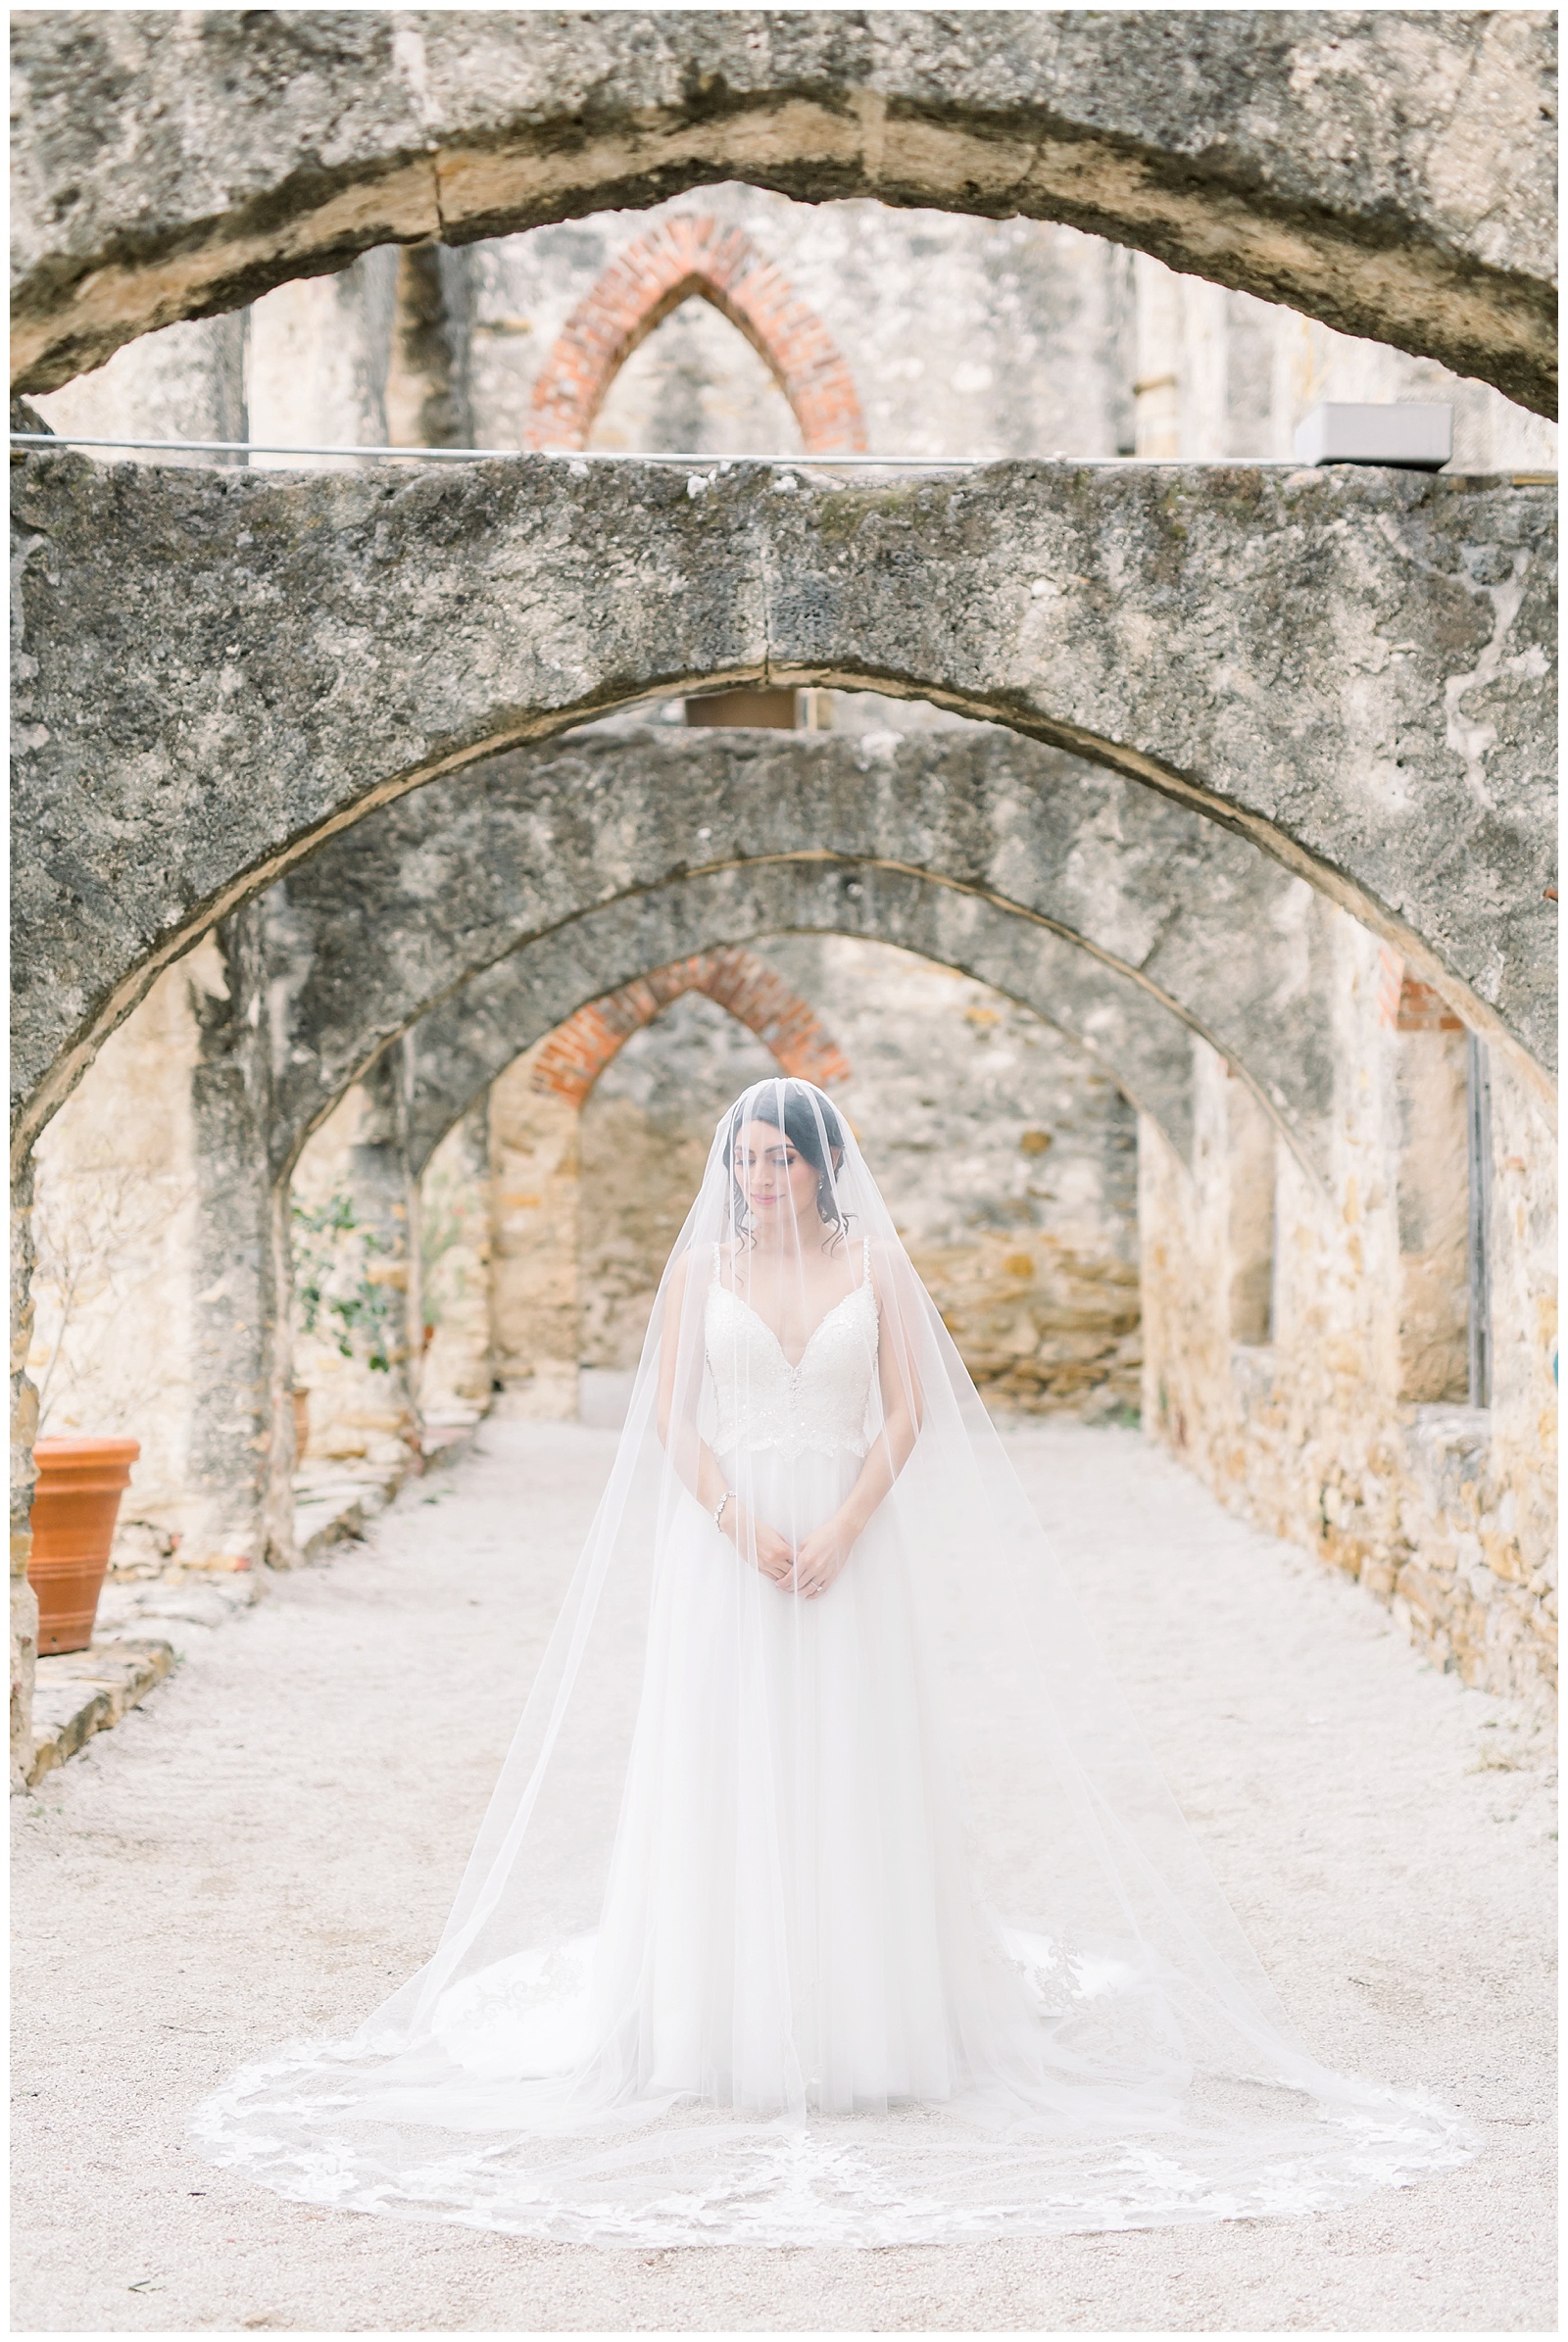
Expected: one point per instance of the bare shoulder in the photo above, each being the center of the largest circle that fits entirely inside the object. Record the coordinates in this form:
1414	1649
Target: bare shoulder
888	1263
699	1264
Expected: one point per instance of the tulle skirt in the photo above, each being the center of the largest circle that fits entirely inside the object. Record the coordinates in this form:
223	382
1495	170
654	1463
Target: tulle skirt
796	2021
788	1924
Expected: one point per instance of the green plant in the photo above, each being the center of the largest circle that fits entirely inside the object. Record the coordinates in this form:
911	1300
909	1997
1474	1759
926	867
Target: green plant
339	1297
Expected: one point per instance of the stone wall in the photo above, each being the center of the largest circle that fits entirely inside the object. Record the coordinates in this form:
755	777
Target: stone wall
1051	341
1007	1159
646	1127
115	1240
1008	1162
534	1292
1343	1420
456	1373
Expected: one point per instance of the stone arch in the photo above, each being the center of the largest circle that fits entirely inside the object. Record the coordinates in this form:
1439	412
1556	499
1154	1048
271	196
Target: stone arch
557	1222
754	995
648	279
1050	857
455	1052
1399	183
461	1044
1348	668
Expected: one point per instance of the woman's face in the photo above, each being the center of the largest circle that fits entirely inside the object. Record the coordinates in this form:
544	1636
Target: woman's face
777	1181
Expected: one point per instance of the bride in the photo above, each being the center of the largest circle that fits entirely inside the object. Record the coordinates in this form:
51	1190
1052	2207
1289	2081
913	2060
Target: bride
828	1893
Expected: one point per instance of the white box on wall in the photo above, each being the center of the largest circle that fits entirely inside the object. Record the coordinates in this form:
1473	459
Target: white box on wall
1418	438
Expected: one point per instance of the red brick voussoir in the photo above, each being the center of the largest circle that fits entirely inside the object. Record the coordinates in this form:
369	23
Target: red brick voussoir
684	255
573	1057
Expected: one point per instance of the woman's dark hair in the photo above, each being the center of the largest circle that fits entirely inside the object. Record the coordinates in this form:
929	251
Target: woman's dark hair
812	1129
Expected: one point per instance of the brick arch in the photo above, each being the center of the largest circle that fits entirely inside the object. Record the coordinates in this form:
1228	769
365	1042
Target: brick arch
645	282
577	1052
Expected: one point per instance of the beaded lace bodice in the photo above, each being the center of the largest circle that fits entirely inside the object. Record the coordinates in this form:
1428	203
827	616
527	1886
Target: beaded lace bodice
822	1406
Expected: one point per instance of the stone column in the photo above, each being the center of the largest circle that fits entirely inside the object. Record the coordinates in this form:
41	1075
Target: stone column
1204	368
239	1434
427	400
1433	1168
319	348
455	1372
24	1429
386	1201
278	1488
1157	386
534	1171
1250	1213
154	1307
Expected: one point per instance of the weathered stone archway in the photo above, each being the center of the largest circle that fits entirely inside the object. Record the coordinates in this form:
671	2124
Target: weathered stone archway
451	1057
572	1202
651	277
962	845
220	669
1389	171
250	1137
463	1042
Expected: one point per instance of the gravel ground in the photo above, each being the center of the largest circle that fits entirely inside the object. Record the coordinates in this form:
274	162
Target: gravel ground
272	1840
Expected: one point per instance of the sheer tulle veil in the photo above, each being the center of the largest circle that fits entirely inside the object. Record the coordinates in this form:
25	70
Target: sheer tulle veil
849	1914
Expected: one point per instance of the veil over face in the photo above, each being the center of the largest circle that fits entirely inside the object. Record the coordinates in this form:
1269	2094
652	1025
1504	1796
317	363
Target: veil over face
828	1893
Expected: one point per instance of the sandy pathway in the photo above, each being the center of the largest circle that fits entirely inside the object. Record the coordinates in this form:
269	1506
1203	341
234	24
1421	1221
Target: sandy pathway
275	1838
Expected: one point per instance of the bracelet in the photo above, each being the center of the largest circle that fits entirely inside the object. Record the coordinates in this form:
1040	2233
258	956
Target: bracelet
718	1510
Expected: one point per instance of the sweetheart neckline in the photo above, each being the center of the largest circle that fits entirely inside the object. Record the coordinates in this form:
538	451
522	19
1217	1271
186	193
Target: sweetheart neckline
826	1316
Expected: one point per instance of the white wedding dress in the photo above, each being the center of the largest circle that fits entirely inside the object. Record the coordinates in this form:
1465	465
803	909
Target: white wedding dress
882	1926
802	1933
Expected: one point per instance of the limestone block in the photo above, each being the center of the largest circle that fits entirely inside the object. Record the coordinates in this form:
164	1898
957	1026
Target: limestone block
83	1693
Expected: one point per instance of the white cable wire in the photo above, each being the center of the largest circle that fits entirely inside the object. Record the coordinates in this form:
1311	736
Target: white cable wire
572	455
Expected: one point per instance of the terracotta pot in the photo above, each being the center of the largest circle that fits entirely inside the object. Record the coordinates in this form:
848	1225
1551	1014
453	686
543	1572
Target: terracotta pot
74	1506
302	1420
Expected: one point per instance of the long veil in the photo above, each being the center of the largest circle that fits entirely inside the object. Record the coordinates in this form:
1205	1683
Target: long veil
858	1914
